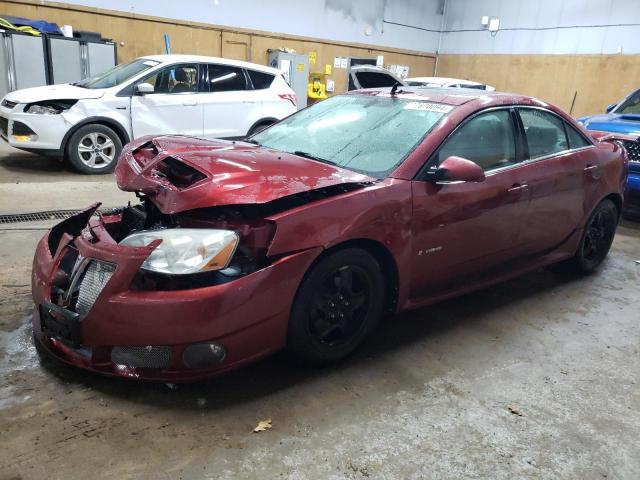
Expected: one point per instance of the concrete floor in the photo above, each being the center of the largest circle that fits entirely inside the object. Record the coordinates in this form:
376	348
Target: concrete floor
429	396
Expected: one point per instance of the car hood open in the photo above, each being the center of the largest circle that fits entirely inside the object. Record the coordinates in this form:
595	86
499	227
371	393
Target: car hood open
63	91
184	173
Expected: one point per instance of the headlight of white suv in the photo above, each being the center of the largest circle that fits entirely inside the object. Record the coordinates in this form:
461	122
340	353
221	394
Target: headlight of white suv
43	110
186	250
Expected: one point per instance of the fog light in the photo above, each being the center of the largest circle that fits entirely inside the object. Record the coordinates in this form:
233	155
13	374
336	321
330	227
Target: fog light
24	138
202	355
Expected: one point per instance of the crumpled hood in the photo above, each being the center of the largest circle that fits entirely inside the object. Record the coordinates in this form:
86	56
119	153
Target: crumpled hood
613	122
184	173
63	91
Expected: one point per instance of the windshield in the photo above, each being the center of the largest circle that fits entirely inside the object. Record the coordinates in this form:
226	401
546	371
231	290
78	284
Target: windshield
117	75
630	105
367	134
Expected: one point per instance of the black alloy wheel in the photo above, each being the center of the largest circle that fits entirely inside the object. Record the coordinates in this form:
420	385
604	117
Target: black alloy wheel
338	304
597	237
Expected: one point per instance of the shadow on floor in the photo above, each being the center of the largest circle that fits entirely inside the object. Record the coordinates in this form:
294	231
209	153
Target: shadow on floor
278	372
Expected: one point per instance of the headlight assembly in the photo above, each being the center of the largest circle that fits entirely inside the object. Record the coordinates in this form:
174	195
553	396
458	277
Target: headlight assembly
43	110
186	250
49	107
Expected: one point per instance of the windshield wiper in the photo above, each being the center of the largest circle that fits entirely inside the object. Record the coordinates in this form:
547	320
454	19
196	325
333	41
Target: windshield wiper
312	157
251	140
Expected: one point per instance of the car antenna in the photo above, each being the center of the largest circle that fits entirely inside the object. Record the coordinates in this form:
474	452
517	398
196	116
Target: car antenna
394	89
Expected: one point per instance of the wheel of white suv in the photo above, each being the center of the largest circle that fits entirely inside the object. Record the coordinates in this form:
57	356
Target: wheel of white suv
94	149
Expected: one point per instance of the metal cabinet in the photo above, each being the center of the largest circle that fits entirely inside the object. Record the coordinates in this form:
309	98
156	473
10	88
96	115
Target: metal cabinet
30	61
71	59
22	61
295	68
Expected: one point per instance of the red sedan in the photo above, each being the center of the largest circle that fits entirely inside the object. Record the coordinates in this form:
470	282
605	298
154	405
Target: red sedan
305	235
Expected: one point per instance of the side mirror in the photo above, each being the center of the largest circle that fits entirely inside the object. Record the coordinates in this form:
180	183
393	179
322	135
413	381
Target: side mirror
144	88
611	107
458	169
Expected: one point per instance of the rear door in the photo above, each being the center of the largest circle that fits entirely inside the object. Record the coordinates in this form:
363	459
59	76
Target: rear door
560	166
231	106
465	228
173	107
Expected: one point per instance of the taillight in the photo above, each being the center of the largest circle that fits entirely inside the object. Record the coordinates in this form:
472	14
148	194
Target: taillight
289	96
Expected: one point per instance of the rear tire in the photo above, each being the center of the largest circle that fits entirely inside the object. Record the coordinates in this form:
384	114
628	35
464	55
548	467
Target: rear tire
597	238
338	304
94	149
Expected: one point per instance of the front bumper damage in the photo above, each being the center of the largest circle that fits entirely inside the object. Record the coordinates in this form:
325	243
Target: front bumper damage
88	314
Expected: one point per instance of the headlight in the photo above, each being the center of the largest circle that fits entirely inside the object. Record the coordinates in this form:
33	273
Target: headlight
186	250
43	110
49	107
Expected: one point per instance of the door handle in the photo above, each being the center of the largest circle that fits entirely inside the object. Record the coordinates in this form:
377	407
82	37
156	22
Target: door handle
517	187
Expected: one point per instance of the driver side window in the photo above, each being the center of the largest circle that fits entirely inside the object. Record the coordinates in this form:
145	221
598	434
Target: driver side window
487	140
181	78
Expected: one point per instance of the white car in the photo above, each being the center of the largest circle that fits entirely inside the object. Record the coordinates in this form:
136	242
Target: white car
444	82
87	122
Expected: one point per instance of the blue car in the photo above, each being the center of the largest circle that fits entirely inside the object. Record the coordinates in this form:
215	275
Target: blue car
624	118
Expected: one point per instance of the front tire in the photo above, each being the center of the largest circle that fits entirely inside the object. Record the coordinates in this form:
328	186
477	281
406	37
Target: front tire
94	149
597	237
338	304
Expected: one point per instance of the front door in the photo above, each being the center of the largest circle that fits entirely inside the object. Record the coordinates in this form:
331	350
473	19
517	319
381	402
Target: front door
174	106
461	229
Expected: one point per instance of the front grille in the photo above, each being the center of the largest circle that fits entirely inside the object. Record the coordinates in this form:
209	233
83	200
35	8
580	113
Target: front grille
95	277
8	104
633	149
4	126
142	357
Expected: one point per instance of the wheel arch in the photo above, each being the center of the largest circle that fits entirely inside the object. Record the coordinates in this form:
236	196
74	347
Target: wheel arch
262	121
384	257
617	200
105	121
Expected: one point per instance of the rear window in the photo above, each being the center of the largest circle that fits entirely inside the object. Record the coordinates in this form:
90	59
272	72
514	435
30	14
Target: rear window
223	78
375	79
260	80
576	140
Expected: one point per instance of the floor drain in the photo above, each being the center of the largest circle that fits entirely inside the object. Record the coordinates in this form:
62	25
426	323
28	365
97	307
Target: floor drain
37	216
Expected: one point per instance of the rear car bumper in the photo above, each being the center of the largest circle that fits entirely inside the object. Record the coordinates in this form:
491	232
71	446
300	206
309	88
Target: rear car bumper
117	331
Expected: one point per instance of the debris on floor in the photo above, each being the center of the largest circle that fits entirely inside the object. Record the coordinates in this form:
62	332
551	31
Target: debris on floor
263	425
515	410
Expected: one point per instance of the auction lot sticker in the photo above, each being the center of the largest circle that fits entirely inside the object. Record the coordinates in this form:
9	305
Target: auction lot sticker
428	107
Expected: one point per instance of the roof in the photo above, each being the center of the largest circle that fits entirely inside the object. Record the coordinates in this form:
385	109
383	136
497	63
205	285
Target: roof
441	80
450	96
205	59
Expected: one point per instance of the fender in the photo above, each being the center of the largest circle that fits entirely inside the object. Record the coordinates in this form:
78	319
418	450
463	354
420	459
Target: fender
110	122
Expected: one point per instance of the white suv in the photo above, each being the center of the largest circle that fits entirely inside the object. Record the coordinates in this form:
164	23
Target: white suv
87	122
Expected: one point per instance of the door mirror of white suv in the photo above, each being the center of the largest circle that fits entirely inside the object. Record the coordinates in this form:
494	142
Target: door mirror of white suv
144	88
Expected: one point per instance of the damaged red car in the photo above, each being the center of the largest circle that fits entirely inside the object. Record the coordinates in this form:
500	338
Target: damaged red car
306	234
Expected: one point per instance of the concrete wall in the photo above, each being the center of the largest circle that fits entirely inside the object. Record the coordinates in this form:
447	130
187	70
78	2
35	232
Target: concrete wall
341	20
534	23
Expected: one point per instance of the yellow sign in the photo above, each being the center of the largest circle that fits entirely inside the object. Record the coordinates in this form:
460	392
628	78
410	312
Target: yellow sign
312	58
300	67
327	69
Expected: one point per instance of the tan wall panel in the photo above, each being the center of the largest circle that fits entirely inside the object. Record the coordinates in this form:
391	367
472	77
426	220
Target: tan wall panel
595	80
145	36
